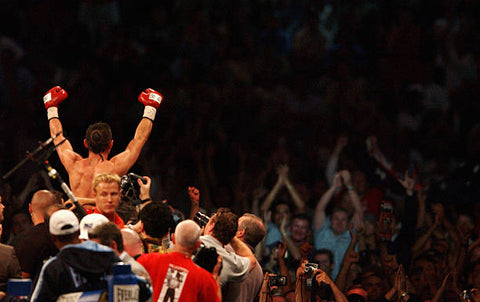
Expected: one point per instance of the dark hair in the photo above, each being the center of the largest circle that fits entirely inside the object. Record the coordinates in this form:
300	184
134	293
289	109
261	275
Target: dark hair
157	219
325	252
302	216
276	203
254	229
99	136
340	209
106	233
226	225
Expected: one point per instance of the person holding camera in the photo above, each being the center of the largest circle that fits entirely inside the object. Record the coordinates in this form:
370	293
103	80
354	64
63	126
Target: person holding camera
312	282
221	230
270	288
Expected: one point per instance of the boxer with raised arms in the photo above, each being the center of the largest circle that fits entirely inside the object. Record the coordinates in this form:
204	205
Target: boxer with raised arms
99	142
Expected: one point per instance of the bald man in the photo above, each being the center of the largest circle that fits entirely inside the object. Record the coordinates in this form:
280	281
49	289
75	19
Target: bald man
39	204
37	244
132	243
174	275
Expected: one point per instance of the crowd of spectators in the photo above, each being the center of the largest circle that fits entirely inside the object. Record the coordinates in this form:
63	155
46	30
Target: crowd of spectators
318	110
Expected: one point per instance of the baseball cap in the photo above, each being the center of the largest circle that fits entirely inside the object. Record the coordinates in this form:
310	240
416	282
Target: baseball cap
63	222
89	222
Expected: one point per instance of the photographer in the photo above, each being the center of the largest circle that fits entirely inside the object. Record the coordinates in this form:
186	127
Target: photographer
322	288
135	195
270	290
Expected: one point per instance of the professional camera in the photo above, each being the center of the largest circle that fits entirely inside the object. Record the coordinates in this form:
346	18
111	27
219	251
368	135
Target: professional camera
130	187
206	257
201	219
277	281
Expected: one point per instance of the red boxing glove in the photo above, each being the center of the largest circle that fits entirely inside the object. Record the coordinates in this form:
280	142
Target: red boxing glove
52	98
151	99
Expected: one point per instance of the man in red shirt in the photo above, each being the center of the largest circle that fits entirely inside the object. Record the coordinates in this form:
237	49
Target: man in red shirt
107	193
175	276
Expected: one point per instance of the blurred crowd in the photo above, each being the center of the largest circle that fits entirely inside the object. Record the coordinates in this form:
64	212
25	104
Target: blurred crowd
314	105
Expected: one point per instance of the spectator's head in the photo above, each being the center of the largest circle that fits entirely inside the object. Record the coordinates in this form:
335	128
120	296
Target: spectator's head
324	259
250	229
98	138
465	223
64	228
373	282
427	265
359	181
21	222
299	227
89	222
106	191
39	204
369	223
109	235
339	221
222	225
157	219
356	294
187	236
132	243
280	210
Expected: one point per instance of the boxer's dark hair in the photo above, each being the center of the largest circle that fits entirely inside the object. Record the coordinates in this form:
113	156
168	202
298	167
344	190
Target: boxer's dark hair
99	136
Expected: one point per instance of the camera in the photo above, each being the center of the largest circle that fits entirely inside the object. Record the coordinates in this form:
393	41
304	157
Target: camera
201	219
206	257
130	188
310	268
277	281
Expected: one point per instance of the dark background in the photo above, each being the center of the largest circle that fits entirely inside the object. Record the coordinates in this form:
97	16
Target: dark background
248	85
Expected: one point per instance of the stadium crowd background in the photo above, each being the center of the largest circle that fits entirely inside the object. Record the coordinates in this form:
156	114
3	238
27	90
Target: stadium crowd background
247	86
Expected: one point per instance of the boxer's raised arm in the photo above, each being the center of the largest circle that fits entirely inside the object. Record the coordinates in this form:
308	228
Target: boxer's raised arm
125	160
51	99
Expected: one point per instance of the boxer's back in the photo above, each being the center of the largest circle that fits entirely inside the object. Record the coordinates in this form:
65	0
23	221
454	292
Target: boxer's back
82	173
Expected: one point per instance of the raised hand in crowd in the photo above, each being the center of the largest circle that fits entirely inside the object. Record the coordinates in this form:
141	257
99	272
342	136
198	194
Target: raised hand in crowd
194	195
144	188
399	286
